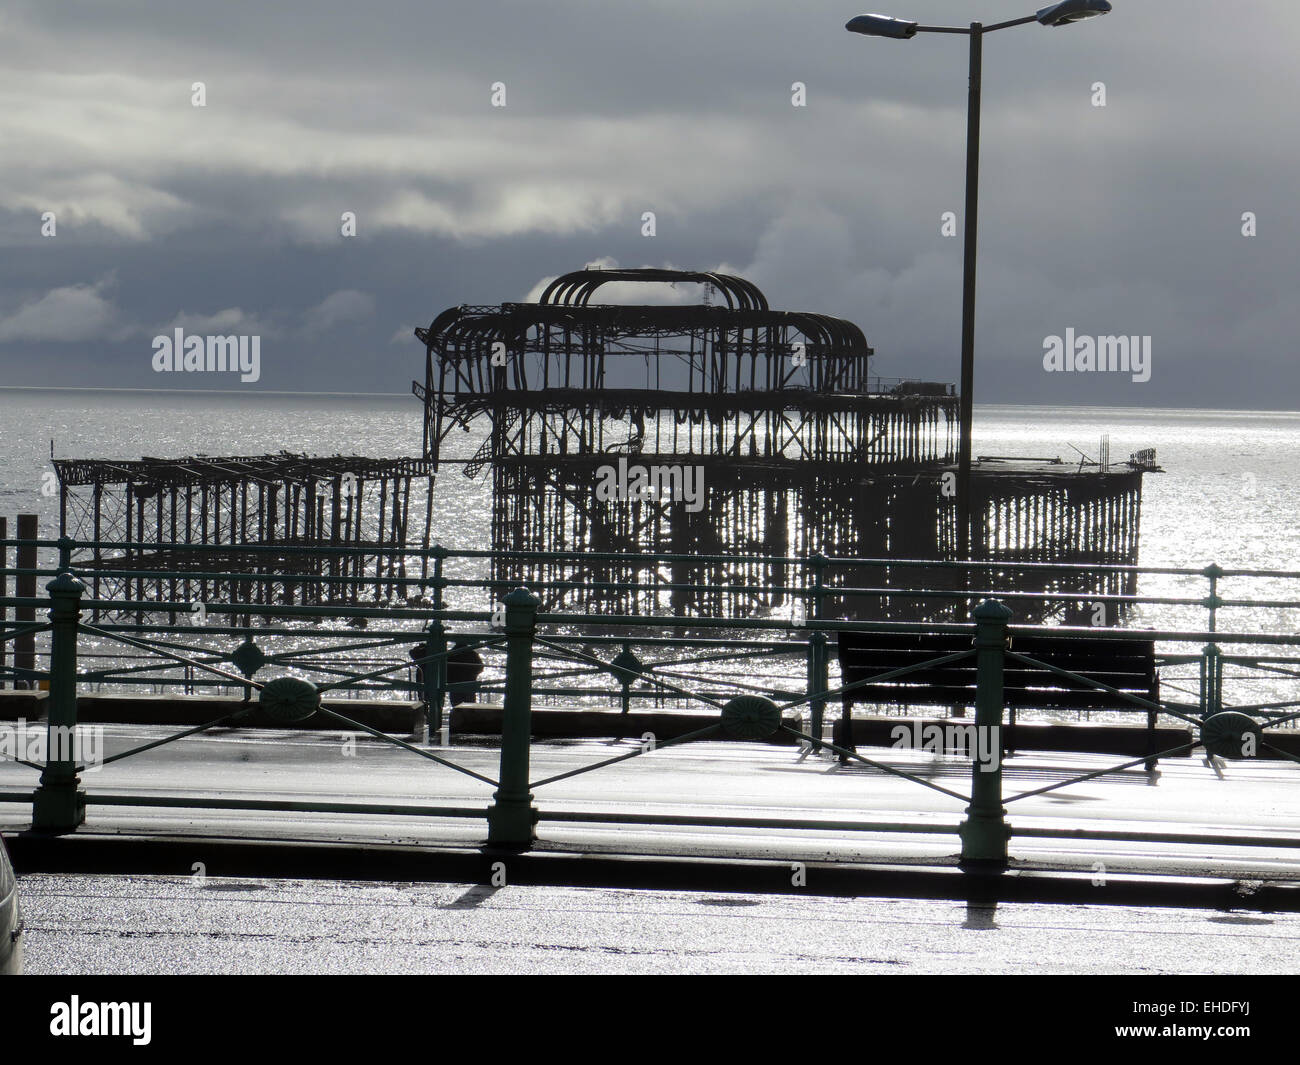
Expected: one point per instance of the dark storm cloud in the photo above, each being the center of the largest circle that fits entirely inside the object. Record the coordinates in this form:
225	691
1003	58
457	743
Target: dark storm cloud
1123	219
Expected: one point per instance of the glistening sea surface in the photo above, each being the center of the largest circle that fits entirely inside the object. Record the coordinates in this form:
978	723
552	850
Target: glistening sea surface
1229	494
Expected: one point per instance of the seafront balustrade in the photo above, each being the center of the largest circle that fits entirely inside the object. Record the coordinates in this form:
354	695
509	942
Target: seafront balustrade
747	679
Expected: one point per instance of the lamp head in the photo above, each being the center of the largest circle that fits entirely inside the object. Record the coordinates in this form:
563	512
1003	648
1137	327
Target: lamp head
881	26
1069	11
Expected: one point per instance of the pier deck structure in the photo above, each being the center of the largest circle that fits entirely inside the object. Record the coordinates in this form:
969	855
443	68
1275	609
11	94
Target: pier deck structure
596	421
707	427
300	503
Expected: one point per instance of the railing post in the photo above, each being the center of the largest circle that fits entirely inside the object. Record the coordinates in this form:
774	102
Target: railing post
985	832
818	684
4	592
512	815
1212	601
436	681
25	588
627	668
435	678
1211	657
819	660
819	562
59	804
1211	679
248	659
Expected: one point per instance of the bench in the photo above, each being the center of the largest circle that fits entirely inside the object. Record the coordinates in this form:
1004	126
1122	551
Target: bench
1124	664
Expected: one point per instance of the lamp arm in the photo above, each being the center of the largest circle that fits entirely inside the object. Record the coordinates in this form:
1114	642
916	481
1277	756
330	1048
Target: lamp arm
1014	22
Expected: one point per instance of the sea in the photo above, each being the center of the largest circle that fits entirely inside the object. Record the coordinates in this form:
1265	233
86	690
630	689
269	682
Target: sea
1229	493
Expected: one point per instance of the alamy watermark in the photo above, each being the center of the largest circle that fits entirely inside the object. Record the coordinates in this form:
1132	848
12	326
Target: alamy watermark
39	743
208	354
77	1018
981	743
634	483
1108	354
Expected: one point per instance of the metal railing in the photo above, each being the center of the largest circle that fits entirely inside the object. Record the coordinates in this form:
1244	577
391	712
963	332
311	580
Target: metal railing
456	586
59	800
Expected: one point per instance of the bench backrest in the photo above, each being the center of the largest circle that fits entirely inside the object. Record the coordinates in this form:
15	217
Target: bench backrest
1125	664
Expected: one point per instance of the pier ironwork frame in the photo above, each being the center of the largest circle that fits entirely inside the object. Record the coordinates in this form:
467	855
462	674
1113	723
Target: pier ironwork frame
800	449
151	509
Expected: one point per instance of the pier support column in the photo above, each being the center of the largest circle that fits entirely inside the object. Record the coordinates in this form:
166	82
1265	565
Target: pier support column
985	832
59	804
512	817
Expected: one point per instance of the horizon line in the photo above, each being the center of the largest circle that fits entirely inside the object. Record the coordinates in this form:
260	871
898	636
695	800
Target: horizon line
200	393
195	391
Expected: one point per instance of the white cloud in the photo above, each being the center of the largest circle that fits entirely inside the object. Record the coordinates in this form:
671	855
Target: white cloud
231	321
119	205
346	305
64	315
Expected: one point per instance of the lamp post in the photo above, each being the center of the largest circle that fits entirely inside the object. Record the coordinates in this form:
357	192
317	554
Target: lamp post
1061	14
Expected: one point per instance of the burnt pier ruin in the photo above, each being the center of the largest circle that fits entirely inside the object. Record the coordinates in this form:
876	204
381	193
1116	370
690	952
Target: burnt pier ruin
697	423
294	504
793	446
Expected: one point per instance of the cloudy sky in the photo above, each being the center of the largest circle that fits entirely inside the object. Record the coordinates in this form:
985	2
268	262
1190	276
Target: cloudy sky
225	218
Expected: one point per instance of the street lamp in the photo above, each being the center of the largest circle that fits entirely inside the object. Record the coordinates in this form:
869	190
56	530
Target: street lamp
1061	14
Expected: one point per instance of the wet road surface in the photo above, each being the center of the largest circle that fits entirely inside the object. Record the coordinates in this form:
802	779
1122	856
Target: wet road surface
205	924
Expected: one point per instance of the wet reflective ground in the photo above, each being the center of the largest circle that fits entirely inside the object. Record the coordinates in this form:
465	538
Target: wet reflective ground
164	925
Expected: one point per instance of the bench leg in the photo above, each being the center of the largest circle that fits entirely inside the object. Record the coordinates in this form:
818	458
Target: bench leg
1150	763
844	731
